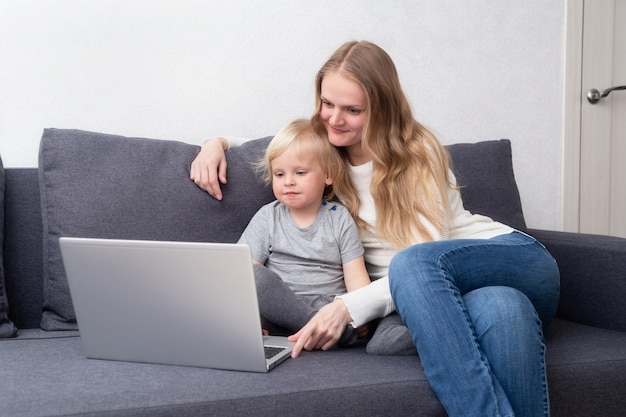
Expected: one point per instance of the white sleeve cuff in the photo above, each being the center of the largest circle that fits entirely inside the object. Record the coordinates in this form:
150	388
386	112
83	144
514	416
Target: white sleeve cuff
370	302
234	141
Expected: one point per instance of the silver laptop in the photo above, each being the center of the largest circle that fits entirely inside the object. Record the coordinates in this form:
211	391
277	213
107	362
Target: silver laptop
175	303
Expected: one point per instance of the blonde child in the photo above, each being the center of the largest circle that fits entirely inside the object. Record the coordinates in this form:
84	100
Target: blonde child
306	248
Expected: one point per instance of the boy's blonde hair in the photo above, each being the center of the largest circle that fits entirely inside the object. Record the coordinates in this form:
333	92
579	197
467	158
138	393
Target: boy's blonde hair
300	136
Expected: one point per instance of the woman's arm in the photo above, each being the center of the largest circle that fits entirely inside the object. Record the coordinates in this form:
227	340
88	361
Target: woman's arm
208	170
323	330
357	307
370	302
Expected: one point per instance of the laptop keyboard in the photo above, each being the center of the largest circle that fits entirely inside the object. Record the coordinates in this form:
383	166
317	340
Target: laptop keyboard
271	351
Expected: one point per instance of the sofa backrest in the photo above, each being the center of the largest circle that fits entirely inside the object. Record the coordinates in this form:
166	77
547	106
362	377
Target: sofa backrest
97	185
108	186
23	258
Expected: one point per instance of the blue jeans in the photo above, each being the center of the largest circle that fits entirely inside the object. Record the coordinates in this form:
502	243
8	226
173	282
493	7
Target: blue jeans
475	309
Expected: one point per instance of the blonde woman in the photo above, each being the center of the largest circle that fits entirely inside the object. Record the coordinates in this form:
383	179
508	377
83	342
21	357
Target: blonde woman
474	293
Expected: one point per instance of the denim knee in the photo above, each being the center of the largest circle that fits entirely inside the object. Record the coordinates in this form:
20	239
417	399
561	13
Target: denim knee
405	261
498	304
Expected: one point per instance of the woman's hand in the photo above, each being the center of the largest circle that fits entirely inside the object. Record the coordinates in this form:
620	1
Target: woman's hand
208	170
323	330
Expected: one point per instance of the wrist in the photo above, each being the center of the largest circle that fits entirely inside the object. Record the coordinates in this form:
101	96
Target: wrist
343	310
222	142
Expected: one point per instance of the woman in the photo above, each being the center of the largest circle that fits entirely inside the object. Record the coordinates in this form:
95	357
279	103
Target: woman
473	293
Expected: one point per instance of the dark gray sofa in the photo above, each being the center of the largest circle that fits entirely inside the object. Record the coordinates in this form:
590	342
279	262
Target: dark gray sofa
98	185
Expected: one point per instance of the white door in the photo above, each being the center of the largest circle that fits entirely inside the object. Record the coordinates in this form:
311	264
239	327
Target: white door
595	146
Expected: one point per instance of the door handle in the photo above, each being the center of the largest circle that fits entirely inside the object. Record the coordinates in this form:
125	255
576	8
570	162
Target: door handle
593	95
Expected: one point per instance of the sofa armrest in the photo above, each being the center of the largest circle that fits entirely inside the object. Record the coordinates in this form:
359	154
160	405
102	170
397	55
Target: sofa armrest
593	277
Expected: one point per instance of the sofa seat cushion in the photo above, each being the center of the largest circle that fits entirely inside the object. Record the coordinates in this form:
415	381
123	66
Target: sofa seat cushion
586	370
339	382
106	186
51	377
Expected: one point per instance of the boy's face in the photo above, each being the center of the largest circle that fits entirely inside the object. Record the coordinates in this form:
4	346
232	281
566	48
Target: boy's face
298	181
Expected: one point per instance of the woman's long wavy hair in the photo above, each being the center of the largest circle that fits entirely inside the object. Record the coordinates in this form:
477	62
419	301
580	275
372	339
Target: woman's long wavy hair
410	166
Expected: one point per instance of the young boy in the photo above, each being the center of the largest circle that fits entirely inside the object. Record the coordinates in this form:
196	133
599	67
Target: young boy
306	248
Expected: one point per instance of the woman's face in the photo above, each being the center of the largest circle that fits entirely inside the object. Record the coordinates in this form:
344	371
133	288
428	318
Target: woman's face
343	111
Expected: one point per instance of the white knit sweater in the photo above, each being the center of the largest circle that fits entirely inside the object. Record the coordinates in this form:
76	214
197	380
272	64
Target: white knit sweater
374	301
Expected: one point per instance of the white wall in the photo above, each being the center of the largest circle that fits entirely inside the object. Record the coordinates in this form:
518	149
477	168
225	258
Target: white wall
191	69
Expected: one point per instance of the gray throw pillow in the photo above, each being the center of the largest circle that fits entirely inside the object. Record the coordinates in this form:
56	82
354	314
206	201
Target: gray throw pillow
107	186
484	171
7	328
